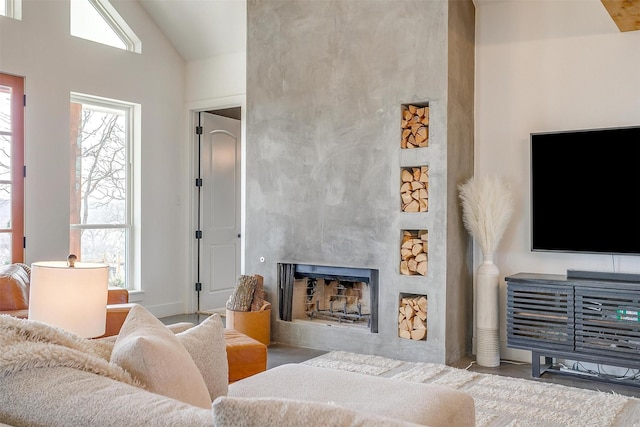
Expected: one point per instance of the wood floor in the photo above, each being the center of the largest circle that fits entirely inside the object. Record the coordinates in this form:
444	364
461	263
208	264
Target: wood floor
279	354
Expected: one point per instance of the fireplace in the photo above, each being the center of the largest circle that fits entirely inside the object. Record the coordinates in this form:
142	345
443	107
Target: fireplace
328	294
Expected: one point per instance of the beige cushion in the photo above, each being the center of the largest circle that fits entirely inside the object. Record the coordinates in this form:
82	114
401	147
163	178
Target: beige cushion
150	352
206	345
426	404
233	412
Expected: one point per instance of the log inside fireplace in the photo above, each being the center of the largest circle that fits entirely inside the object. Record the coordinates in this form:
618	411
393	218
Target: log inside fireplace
338	294
335	300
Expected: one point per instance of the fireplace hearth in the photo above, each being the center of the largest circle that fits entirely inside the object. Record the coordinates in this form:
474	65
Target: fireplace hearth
335	295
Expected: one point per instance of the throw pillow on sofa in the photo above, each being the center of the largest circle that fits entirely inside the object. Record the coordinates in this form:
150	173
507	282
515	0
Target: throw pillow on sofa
208	349
150	352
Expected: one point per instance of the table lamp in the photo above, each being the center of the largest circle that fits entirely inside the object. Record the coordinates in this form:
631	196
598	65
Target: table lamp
70	295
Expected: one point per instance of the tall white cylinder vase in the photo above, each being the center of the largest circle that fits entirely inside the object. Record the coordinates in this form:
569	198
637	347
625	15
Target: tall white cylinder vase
487	314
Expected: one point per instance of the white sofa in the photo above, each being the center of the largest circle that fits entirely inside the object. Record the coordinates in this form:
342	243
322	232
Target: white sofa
95	391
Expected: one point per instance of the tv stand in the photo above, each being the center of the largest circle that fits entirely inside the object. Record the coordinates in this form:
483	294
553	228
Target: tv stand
603	275
583	319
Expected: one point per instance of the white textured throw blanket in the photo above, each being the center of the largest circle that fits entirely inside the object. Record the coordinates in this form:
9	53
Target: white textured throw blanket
27	344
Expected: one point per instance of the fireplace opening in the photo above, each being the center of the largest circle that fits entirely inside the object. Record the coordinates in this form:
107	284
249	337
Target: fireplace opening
334	300
330	295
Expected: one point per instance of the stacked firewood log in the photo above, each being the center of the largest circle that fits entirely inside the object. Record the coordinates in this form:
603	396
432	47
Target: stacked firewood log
412	317
414	189
248	295
415	127
413	253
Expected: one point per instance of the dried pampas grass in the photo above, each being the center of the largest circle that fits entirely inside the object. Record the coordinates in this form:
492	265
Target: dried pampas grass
487	207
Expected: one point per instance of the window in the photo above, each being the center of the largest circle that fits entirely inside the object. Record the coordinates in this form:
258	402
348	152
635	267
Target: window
11	8
11	169
98	21
101	220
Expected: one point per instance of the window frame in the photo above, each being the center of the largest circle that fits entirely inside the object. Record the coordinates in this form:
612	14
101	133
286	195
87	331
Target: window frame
131	112
13	9
115	21
17	85
118	24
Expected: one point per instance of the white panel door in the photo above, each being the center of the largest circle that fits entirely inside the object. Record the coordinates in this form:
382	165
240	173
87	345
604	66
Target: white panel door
220	209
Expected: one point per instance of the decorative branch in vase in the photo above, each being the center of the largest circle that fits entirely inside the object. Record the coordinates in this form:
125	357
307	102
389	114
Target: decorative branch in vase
487	206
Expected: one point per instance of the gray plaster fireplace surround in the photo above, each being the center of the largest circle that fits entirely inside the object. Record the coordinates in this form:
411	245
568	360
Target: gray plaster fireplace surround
327	83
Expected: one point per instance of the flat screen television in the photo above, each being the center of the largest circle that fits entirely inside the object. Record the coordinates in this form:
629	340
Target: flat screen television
585	191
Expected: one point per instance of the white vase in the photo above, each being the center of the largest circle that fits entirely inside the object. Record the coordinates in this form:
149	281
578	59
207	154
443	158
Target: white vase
487	314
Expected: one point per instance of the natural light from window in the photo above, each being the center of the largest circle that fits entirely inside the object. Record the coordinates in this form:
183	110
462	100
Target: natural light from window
11	167
5	173
98	21
101	187
11	8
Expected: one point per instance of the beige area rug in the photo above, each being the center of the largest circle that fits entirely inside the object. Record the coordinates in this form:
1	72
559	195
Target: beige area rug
502	401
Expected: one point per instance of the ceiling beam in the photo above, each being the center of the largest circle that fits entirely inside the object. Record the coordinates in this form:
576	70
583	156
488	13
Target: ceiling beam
625	13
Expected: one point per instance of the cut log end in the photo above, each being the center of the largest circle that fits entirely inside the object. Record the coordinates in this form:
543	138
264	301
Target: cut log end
418	334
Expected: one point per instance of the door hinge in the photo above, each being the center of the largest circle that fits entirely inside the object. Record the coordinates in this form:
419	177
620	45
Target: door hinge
24	100
198	182
24	242
198	234
198	130
24	171
198	286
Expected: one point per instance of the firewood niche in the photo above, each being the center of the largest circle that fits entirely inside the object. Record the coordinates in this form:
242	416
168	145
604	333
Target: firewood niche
414	189
414	252
412	317
415	126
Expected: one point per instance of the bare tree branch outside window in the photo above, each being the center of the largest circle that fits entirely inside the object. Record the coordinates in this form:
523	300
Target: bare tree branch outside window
99	187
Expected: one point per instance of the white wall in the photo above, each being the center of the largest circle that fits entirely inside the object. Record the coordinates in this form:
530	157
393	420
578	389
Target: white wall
54	63
217	77
214	83
546	66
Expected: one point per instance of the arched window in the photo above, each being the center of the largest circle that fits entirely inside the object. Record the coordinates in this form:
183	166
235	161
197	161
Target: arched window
98	21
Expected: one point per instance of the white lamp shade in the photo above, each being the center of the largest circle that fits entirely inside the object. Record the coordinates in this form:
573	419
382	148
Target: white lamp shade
71	298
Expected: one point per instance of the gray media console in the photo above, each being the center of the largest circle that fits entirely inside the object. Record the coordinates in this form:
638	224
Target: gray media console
587	320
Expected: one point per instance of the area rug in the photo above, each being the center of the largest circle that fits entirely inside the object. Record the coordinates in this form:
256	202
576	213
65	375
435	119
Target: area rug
502	401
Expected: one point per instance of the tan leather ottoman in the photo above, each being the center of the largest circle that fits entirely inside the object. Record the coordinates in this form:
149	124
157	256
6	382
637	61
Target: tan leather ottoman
118	307
245	355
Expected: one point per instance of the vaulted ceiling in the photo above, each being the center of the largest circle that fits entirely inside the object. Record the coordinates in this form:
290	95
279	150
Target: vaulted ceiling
201	29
